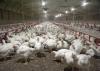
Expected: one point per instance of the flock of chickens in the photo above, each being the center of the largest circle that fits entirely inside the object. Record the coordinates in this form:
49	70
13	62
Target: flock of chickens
63	44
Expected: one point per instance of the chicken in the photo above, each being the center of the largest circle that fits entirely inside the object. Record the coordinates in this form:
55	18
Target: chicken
25	51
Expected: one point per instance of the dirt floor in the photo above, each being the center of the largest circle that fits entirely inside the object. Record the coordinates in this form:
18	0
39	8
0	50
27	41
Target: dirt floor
46	62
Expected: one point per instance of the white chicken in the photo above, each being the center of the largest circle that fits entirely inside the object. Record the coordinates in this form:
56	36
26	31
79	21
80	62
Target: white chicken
60	54
38	45
69	38
90	52
59	44
32	42
61	36
70	57
65	44
83	61
77	45
65	54
25	51
6	49
50	44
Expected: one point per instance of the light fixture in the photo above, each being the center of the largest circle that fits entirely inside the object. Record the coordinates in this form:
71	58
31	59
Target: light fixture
45	11
84	3
66	12
58	15
43	3
73	9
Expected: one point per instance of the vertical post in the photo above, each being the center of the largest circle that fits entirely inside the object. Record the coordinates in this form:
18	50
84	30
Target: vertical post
22	11
73	17
1	14
89	38
8	14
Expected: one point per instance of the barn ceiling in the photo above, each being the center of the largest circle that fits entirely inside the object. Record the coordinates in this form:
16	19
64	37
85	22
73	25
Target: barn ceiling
34	7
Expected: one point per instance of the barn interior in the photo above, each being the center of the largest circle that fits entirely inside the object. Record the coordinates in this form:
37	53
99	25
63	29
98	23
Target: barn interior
49	35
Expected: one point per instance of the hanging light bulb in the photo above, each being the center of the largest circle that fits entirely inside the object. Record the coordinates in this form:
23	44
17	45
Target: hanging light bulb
58	15
66	12
43	3
84	3
73	9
